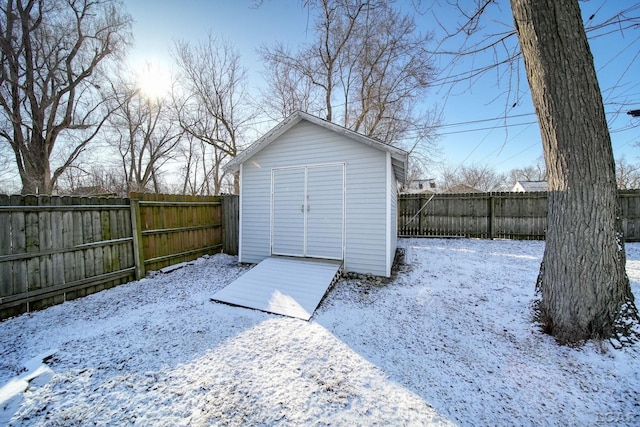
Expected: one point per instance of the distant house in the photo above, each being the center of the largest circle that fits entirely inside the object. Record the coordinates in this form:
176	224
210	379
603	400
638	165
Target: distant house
528	186
419	186
461	188
93	190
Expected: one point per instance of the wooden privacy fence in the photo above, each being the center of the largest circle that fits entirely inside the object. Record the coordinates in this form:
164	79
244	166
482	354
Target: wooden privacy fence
173	229
506	215
57	248
54	249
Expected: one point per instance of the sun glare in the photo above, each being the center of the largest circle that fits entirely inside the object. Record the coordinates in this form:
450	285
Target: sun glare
153	80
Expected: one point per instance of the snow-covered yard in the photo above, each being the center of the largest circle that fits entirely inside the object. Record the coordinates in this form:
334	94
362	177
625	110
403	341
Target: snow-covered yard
448	341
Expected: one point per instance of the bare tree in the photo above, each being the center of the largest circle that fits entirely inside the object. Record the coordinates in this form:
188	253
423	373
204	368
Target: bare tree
537	172
92	179
51	54
213	105
584	288
627	174
480	177
366	69
147	134
189	169
202	171
288	89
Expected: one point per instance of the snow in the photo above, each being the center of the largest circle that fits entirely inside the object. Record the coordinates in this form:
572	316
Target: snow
35	373
449	340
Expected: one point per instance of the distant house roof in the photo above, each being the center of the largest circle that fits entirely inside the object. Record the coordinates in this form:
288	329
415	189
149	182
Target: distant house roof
461	188
526	186
92	190
399	157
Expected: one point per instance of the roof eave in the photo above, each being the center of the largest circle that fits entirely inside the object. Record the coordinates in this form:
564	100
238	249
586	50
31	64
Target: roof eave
234	164
399	157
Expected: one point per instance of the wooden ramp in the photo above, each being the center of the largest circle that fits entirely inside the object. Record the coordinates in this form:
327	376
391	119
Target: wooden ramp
289	286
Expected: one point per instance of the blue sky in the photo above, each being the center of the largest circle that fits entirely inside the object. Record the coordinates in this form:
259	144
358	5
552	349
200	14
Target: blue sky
481	125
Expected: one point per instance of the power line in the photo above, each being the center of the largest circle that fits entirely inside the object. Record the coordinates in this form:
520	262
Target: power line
499	150
487	120
537	143
488	128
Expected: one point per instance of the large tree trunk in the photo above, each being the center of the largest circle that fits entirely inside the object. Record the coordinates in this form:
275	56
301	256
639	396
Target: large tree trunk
583	285
35	172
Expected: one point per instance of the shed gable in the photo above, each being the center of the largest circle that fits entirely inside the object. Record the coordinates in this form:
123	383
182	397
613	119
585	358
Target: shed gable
399	158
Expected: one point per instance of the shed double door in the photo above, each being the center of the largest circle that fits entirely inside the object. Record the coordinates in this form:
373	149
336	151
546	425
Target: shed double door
307	211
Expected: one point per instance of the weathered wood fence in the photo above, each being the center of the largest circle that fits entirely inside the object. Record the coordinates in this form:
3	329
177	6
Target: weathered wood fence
505	215
54	249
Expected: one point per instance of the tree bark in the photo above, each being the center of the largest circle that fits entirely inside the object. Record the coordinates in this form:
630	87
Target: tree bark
584	289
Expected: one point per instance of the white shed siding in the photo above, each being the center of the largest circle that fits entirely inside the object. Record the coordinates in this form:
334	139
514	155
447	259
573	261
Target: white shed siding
393	216
255	219
240	218
365	193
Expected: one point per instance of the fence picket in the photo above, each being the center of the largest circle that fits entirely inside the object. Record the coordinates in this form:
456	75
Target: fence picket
98	253
18	245
44	244
32	240
6	274
69	263
57	243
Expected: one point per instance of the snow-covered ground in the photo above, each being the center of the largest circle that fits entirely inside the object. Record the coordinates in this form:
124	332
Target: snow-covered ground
448	341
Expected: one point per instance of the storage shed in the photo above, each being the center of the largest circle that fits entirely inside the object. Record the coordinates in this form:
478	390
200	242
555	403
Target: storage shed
310	188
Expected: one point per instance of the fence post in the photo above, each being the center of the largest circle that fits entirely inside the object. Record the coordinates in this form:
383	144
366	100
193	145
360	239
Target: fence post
491	217
420	215
230	223
136	232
